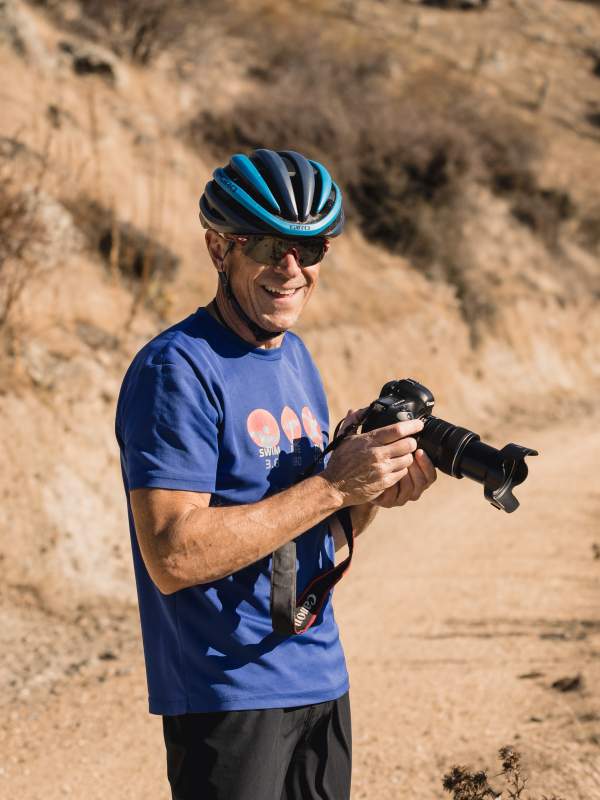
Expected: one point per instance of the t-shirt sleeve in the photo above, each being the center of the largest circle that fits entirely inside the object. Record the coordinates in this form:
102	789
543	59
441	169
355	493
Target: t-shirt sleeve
169	430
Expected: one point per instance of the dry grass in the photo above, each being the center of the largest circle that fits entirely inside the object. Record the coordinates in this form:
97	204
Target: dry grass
137	258
589	228
139	30
21	228
463	784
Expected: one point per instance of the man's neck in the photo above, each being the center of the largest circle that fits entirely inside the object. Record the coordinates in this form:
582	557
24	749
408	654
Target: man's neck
221	311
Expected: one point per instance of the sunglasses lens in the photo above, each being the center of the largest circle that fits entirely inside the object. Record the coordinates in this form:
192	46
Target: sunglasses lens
270	250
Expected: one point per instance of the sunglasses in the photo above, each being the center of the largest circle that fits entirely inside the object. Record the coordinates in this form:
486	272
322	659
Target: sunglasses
271	249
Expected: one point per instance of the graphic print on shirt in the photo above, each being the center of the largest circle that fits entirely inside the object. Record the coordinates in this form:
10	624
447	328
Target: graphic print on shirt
264	432
293	430
312	427
290	424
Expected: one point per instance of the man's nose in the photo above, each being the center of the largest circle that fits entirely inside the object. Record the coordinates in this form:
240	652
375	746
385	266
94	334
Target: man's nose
289	264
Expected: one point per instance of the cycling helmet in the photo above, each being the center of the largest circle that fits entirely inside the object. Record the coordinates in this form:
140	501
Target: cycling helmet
273	193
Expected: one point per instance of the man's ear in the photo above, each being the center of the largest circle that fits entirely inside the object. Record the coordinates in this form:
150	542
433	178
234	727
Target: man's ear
215	245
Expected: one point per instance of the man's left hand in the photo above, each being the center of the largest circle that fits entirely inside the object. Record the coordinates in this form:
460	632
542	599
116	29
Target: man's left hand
421	474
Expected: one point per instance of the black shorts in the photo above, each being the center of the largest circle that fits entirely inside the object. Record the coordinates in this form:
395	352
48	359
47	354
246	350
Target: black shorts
299	753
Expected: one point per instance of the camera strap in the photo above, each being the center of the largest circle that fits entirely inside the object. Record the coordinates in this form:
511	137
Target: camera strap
291	615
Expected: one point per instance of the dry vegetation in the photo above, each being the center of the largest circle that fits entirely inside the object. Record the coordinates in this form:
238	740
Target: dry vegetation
129	254
136	29
22	231
463	784
414	150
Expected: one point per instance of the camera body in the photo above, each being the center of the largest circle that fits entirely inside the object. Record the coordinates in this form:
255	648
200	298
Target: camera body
456	451
399	401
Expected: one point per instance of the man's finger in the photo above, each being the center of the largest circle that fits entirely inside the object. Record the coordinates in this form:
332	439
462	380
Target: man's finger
404	461
391	433
401	447
419	481
426	465
407	488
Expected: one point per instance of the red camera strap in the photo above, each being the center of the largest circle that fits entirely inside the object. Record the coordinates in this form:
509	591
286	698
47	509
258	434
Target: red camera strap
291	615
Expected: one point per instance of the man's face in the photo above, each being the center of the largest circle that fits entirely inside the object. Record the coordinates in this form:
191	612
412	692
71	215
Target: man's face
272	296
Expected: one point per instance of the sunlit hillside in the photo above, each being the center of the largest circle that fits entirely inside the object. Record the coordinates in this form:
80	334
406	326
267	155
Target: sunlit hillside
467	145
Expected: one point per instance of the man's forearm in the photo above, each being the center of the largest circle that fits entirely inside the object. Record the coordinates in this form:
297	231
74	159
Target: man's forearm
206	544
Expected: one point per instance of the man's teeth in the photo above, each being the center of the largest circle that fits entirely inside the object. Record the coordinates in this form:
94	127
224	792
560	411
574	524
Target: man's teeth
279	291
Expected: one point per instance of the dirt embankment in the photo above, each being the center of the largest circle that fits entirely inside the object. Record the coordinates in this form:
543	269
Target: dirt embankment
507	338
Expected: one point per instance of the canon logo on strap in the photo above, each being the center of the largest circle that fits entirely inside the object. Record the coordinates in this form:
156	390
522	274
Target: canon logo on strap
305	609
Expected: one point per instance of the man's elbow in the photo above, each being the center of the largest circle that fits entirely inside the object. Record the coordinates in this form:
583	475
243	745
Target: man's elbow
168	577
171	574
167	585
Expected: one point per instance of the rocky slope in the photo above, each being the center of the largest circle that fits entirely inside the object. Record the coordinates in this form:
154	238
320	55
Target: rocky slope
94	143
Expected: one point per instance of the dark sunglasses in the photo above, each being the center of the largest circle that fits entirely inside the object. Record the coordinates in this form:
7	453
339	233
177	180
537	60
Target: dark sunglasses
271	249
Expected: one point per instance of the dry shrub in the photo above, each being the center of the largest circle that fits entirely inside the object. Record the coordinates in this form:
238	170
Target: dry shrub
543	211
463	784
21	228
589	228
136	29
138	258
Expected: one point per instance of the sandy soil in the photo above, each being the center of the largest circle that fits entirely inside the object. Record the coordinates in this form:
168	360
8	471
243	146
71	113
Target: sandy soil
449	606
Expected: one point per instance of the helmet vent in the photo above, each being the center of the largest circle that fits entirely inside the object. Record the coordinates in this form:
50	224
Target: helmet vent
279	181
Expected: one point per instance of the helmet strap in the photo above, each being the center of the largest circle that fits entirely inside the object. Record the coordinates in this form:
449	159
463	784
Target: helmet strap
260	334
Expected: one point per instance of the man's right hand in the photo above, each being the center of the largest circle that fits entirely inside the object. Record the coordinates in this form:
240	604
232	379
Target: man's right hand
366	464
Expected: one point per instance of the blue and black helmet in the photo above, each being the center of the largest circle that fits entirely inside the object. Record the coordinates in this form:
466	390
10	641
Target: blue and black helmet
273	193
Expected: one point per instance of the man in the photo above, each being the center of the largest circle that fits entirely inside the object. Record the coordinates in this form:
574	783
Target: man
218	418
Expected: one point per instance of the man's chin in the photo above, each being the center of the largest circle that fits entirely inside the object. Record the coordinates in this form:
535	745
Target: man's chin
278	322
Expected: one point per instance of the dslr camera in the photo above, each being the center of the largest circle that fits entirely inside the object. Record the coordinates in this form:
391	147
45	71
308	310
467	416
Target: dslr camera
456	451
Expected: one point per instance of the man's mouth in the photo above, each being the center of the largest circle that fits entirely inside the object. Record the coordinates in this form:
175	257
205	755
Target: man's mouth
277	291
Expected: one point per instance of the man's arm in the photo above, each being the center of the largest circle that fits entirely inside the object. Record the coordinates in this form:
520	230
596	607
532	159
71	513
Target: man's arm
184	541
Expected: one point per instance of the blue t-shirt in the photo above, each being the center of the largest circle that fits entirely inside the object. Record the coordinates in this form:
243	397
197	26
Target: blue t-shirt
201	410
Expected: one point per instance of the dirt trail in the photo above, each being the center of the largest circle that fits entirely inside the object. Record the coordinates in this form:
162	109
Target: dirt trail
447	604
450	601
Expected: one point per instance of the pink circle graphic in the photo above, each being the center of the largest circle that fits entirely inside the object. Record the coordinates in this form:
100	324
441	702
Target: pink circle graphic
312	427
291	424
263	428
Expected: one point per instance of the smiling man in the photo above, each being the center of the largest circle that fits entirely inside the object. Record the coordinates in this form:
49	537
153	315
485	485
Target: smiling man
217	420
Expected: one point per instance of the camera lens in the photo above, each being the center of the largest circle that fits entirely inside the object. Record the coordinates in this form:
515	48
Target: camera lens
460	453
